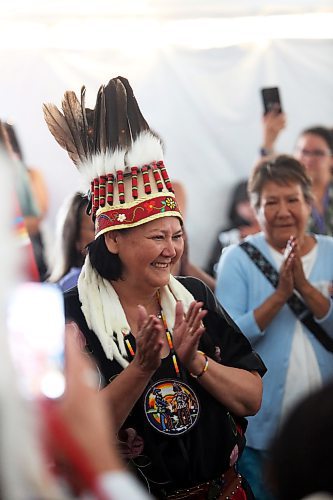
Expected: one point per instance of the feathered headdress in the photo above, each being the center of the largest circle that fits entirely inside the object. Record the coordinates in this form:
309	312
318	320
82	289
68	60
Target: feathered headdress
118	155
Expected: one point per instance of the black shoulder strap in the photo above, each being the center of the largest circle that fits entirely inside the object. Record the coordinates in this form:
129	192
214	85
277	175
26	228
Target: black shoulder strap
298	307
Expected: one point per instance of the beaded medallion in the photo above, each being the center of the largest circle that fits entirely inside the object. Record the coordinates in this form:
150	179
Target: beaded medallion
171	407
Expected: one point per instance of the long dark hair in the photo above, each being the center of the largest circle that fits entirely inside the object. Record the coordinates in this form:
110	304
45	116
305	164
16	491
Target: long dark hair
69	236
71	231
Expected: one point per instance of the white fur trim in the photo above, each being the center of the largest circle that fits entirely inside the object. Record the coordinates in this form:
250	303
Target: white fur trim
145	149
102	164
96	295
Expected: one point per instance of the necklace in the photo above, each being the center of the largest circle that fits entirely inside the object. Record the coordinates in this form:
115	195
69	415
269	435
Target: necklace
169	338
168	335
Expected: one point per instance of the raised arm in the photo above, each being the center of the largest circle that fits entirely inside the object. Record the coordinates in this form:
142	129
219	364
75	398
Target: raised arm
273	123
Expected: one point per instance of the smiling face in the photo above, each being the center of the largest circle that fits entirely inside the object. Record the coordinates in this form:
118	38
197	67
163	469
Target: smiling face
313	151
283	212
148	251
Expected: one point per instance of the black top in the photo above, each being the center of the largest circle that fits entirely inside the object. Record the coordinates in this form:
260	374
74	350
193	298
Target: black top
203	453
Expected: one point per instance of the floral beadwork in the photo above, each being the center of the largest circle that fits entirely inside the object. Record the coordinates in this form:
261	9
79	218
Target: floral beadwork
170	203
137	212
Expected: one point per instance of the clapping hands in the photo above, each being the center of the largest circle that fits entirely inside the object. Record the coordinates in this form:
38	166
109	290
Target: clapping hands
187	332
149	341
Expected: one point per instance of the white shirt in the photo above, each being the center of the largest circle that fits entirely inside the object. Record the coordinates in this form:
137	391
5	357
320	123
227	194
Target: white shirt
303	374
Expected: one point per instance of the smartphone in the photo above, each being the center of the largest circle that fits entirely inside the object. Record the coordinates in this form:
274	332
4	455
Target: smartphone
36	328
271	99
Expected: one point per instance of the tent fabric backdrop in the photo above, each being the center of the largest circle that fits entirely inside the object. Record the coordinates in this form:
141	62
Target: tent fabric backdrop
204	103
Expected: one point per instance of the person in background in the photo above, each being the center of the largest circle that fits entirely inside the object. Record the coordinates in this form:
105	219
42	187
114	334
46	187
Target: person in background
301	453
26	261
314	149
33	198
179	375
256	283
185	266
75	231
242	222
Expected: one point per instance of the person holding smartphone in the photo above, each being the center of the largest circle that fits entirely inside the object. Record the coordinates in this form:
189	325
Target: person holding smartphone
314	149
277	288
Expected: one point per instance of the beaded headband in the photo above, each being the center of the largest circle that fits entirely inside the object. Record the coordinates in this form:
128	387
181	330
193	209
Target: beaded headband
120	158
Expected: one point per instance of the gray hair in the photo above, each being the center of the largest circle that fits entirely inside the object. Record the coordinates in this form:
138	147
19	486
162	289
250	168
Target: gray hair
282	170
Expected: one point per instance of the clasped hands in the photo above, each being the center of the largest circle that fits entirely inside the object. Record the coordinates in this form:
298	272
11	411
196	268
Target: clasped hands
292	275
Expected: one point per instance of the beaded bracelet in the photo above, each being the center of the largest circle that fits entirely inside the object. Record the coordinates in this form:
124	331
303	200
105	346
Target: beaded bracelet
205	368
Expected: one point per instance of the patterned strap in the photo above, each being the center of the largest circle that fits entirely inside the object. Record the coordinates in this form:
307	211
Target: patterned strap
294	302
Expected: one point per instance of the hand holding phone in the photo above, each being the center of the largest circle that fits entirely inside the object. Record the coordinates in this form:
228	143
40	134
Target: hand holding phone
271	99
36	325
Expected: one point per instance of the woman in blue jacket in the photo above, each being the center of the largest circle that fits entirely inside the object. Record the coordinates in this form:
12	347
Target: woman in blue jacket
297	361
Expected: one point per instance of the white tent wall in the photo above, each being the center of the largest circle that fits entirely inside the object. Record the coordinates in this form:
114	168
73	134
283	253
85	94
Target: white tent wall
205	103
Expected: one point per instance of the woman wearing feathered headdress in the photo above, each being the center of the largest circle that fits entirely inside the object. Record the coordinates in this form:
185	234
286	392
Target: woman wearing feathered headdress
164	346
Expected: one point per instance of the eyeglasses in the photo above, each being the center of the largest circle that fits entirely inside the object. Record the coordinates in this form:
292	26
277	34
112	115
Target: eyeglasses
316	153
